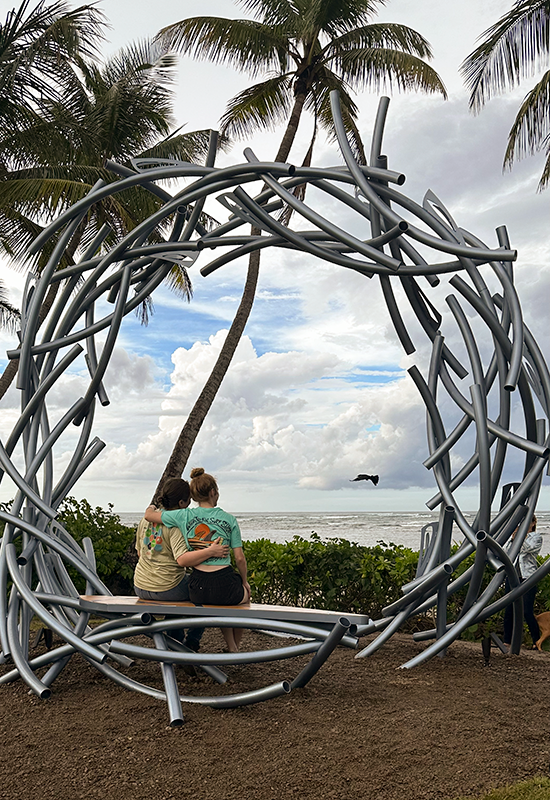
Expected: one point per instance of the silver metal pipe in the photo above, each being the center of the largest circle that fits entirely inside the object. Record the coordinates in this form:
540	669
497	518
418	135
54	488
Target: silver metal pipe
42	613
259	656
331	642
429	582
34	684
170	685
213	672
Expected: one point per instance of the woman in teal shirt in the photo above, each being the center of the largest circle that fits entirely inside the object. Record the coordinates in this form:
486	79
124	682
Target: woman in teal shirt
213	581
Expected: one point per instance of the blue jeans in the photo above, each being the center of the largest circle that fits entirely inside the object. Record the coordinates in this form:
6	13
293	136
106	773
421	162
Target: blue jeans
179	594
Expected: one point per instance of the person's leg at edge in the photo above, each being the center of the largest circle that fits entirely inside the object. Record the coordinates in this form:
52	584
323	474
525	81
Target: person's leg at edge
194	635
233	636
529	614
178	594
238	632
229	636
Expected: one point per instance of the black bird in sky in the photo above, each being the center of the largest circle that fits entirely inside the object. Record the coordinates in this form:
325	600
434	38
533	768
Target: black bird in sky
373	478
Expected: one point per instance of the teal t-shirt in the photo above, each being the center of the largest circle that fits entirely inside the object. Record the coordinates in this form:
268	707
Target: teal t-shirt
200	526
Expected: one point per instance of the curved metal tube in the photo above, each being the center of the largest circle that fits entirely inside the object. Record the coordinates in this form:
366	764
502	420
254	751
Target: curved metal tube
134	266
135	651
331	642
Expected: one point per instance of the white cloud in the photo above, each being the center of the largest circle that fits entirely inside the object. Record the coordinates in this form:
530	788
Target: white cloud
275	420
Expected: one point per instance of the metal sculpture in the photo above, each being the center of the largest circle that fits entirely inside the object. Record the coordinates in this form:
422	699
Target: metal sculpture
406	242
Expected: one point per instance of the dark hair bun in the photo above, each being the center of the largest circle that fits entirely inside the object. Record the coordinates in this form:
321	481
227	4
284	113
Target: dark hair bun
196	471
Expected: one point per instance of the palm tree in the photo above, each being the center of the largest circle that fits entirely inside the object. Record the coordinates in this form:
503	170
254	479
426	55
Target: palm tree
54	144
116	110
37	48
514	48
307	48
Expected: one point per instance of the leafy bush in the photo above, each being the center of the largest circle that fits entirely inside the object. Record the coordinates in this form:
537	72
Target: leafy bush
113	543
335	574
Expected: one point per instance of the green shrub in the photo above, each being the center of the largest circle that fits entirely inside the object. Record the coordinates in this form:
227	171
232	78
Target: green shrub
113	543
335	574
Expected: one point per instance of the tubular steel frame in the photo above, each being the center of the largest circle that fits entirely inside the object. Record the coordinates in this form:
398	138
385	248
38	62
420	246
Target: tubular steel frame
405	244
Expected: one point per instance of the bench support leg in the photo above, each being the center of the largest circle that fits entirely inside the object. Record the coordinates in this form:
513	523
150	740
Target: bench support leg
331	642
170	685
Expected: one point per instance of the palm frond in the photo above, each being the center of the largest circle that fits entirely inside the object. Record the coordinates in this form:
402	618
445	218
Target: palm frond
139	56
191	146
271	12
319	102
383	35
245	44
16	234
179	282
531	128
263	105
10	317
382	69
513	48
38	47
145	310
545	177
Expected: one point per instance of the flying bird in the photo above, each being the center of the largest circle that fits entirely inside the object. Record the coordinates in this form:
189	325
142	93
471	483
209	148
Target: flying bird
373	478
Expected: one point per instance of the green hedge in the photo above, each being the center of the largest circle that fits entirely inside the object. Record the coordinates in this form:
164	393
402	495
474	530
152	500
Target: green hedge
335	574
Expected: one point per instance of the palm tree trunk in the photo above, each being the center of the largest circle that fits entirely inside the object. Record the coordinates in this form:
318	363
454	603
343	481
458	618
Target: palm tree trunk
182	449
291	128
6	379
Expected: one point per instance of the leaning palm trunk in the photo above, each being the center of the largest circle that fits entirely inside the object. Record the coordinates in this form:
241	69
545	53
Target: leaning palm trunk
189	432
182	449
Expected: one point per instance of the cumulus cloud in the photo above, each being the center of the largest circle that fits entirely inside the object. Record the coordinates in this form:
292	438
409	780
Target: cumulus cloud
276	420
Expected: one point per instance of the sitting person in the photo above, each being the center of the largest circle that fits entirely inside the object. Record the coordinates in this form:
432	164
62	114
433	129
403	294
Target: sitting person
213	580
164	555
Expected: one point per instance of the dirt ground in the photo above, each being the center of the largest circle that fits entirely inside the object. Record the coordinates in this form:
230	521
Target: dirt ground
360	729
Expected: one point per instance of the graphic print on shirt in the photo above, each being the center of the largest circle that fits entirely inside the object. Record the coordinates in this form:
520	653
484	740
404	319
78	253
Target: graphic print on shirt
153	538
202	537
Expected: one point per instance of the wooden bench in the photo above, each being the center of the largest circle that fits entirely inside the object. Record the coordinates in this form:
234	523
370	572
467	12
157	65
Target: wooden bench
321	631
98	604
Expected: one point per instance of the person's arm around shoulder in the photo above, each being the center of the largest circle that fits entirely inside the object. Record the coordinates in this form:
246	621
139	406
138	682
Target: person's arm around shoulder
152	514
193	557
142	525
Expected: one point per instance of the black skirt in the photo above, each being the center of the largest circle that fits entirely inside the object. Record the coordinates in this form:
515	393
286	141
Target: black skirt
224	587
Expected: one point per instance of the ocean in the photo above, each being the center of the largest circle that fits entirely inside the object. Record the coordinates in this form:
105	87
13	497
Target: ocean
365	528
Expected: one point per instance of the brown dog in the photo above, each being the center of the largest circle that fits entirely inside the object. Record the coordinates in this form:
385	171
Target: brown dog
544	627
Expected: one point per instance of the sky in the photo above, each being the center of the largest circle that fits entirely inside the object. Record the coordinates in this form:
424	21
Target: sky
318	390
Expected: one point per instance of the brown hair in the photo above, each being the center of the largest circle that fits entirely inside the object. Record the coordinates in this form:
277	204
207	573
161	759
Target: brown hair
201	485
174	490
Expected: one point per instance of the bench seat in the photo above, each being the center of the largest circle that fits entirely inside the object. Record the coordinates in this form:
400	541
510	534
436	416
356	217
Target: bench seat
109	604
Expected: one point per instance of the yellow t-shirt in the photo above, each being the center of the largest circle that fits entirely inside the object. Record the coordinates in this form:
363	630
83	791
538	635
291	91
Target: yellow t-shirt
158	548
